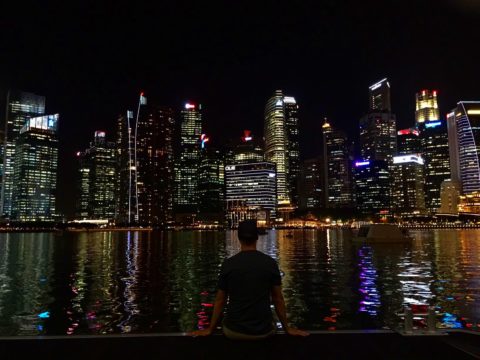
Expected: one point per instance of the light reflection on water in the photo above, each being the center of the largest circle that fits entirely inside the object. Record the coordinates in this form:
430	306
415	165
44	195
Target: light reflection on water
114	282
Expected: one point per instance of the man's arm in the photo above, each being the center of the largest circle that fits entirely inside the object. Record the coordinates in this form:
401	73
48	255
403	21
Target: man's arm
217	311
280	309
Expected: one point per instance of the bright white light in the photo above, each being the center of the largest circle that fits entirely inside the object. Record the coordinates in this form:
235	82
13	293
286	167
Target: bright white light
279	103
189	106
289	100
378	84
408	159
271	175
473	112
230	167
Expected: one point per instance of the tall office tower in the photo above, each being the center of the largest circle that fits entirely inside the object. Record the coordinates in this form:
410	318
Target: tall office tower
281	146
408	197
35	170
336	168
186	170
379	95
449	194
248	150
434	136
211	183
96	179
124	185
426	106
372	181
19	107
311	184
378	145
155	161
464	145
250	192
409	141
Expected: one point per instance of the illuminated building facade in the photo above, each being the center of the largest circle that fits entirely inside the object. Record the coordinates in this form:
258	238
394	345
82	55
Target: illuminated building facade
250	189
336	168
311	184
96	180
464	145
186	167
281	146
434	138
408	197
155	165
426	106
469	203
449	196
378	145
409	141
372	181
20	106
35	170
248	150
379	97
211	185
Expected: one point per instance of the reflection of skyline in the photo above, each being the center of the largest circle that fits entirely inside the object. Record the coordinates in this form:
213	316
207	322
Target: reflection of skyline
103	282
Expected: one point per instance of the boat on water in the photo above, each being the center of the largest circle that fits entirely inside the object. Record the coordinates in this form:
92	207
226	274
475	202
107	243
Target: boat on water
381	233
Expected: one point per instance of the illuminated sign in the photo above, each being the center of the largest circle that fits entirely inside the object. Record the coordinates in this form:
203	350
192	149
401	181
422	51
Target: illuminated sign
189	106
230	167
46	122
433	124
279	103
408	132
408	159
100	134
362	163
473	112
271	175
289	100
247	135
378	84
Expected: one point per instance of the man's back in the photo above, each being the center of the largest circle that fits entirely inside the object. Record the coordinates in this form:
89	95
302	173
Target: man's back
248	278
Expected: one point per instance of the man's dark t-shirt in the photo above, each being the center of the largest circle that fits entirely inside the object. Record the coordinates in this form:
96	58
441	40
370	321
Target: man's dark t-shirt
247	278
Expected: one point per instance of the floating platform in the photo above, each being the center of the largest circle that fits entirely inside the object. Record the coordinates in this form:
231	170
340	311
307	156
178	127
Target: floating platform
382	344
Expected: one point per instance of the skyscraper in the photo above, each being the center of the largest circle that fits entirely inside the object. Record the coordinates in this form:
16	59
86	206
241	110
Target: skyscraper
155	162
20	106
211	186
248	150
186	167
434	138
124	181
96	180
379	94
281	146
409	141
408	197
426	106
311	186
464	145
336	168
378	145
35	170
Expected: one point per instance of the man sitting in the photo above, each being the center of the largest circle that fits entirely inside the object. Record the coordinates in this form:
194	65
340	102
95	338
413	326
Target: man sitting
251	281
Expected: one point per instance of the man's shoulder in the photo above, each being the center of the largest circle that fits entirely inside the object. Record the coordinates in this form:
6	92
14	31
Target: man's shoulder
250	255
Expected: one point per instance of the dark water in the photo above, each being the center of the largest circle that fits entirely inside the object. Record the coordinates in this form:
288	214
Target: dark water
118	282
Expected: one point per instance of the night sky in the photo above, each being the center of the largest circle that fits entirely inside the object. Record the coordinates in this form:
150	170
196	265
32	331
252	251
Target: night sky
91	61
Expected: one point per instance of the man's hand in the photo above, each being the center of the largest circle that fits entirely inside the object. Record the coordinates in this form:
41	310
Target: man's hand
205	332
296	332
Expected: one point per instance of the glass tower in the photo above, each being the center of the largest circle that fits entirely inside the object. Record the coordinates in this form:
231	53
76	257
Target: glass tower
379	95
20	106
337	168
281	145
464	145
35	170
186	171
311	184
96	180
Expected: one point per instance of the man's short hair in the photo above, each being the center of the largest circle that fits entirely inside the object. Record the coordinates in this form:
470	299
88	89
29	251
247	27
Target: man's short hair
247	231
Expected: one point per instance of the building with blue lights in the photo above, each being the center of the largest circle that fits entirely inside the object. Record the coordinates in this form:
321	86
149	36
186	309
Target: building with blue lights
19	107
251	192
434	137
464	145
35	170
